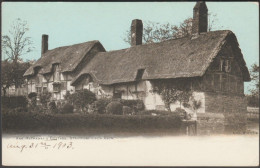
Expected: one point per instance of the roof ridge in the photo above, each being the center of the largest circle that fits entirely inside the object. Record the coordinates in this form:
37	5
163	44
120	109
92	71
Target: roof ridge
93	41
145	44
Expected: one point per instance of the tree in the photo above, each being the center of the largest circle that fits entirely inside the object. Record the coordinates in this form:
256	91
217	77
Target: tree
253	97
155	32
81	99
254	72
8	72
6	76
16	44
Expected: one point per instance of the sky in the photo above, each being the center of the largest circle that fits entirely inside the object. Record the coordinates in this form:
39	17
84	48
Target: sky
69	23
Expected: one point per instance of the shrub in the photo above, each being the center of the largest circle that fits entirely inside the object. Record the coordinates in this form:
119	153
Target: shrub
127	110
45	98
181	112
100	105
53	107
67	108
81	99
56	123
32	94
115	107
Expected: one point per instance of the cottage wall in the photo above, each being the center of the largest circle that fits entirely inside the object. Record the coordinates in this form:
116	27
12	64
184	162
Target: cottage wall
153	101
57	82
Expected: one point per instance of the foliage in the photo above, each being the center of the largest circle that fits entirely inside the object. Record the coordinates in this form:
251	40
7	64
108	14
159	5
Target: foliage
100	105
67	108
14	45
171	93
253	97
181	112
53	107
45	98
32	97
115	107
12	74
155	32
80	99
32	94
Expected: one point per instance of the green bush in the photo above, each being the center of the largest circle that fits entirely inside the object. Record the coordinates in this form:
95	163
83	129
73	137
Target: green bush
127	110
45	98
53	107
32	94
115	107
181	112
81	99
56	123
67	108
100	105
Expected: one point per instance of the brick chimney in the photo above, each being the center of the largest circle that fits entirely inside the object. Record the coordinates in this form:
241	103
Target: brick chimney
136	32
44	43
200	18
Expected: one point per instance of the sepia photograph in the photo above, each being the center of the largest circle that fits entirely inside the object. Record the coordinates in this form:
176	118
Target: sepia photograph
130	83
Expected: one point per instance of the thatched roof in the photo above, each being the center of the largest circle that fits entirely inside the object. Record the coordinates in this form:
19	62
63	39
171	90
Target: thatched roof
68	57
184	57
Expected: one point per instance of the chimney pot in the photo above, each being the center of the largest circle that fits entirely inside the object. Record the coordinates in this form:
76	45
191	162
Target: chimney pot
136	32
200	18
44	43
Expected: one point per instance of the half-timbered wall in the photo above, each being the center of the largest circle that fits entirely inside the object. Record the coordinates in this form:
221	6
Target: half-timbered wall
223	84
55	82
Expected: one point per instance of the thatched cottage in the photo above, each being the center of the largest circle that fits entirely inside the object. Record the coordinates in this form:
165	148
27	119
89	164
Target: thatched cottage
209	63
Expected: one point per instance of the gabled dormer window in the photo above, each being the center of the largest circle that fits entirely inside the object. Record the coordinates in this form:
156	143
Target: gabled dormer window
139	74
56	74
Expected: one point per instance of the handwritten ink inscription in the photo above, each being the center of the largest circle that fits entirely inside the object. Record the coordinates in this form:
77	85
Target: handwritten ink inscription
44	145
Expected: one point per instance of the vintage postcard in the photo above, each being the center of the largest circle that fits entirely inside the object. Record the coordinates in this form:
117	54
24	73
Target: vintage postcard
130	83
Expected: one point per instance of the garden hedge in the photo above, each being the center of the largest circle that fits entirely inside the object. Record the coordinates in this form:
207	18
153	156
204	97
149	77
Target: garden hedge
14	102
53	123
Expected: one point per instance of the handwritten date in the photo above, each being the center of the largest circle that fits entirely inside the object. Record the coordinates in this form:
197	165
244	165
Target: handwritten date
43	145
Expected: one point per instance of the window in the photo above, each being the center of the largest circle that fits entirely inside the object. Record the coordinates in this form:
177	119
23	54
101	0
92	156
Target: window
44	89
117	95
56	87
38	90
227	66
